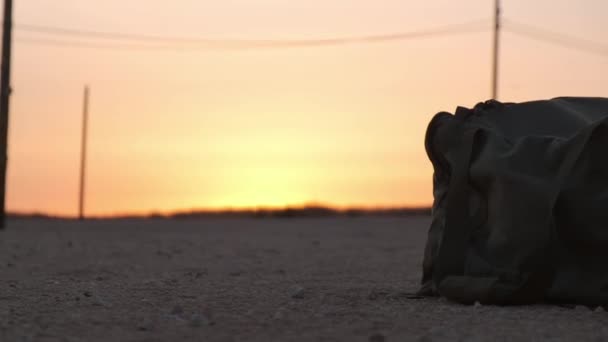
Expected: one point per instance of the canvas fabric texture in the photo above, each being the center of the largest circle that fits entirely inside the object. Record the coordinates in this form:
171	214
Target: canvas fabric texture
520	211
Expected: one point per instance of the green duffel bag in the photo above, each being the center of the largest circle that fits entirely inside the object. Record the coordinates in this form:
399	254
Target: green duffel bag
520	211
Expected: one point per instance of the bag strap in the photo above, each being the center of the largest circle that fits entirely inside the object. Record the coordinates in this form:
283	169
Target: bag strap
456	233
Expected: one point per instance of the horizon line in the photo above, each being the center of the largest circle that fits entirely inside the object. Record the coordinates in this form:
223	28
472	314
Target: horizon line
305	210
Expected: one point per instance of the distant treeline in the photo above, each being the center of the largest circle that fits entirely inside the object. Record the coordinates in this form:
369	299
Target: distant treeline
305	212
289	212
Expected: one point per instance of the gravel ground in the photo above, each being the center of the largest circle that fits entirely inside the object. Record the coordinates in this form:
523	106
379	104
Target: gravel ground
335	279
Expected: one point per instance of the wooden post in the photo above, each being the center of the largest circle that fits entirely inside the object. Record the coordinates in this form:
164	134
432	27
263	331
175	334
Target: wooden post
496	48
5	93
83	152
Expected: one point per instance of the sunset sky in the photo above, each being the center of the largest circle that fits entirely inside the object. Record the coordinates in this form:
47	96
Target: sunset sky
185	128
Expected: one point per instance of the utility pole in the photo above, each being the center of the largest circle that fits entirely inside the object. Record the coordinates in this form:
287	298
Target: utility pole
5	93
496	47
83	152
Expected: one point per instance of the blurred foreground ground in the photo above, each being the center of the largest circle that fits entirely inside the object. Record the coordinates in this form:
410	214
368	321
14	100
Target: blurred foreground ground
331	279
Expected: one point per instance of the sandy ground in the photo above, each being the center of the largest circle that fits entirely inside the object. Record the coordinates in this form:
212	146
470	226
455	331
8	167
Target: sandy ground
338	279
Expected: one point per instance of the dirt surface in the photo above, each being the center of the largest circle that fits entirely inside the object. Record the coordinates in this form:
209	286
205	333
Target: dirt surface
340	279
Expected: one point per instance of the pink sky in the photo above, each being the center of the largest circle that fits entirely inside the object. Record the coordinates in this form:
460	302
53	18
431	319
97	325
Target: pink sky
197	129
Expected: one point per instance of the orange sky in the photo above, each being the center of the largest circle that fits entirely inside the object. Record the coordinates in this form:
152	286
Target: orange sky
214	128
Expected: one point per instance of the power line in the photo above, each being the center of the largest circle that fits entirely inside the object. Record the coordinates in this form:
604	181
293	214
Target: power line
94	45
131	41
62	31
557	38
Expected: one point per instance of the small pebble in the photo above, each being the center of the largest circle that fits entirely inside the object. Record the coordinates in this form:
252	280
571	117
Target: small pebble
377	338
177	310
145	326
196	321
280	314
199	320
297	292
